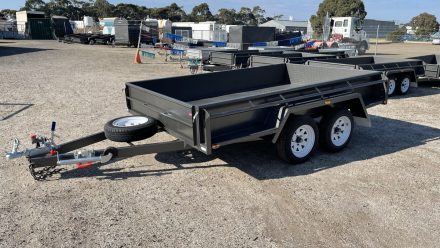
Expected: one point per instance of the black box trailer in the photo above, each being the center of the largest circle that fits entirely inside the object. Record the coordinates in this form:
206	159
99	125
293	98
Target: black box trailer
127	32
401	73
283	104
91	39
79	38
431	64
226	60
61	27
294	58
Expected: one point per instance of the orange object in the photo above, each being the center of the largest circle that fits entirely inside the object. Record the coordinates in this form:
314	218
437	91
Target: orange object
137	58
82	166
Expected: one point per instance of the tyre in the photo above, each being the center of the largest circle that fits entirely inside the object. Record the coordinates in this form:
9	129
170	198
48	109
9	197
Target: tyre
130	128
334	45
298	140
403	85
391	86
336	129
362	49
92	42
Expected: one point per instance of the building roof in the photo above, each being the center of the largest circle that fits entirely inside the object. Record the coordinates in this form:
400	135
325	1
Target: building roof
288	23
31	12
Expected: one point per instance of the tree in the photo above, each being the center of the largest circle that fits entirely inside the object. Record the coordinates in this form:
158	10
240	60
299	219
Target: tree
396	34
8	12
335	8
226	16
258	13
424	24
246	17
172	12
33	5
201	13
129	11
103	8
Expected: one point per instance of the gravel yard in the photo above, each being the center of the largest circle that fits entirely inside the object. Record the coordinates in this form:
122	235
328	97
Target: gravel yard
383	190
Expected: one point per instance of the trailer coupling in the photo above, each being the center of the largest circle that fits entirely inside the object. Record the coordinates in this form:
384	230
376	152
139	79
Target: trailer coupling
46	157
43	145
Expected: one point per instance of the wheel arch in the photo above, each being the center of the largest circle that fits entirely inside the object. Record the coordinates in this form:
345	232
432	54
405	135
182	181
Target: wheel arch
401	73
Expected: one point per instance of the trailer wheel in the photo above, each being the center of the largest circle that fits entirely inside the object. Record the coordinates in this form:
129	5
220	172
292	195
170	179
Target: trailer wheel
362	49
130	128
404	84
391	86
336	130
298	140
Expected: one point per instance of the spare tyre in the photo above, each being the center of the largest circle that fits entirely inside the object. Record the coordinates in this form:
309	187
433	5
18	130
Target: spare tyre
130	128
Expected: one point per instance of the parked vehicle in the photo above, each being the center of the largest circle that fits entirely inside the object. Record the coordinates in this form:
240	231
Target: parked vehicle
431	64
401	73
291	57
344	32
292	106
227	60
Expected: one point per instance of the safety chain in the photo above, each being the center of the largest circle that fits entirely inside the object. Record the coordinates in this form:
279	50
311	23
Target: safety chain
43	174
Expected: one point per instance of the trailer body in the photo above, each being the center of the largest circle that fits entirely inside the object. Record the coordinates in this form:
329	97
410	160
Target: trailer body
291	57
209	110
401	73
280	103
431	64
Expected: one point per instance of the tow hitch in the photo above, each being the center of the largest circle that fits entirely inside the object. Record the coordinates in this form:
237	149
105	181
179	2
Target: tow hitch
47	157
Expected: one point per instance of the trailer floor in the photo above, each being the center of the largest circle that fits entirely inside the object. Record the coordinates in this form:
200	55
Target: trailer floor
382	191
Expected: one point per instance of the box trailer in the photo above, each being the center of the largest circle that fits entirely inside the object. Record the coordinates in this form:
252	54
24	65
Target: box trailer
431	64
401	73
292	106
291	57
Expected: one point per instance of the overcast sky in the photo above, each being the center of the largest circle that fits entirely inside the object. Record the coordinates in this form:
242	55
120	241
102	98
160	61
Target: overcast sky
399	10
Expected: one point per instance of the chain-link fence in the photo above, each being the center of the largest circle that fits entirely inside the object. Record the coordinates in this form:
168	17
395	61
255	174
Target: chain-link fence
409	38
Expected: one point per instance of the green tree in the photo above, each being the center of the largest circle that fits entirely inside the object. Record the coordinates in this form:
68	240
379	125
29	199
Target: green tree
201	13
34	5
337	8
396	34
424	24
259	13
246	17
226	16
129	11
8	12
172	12
103	8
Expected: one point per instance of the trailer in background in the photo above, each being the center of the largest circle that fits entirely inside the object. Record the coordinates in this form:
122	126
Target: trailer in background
291	57
431	63
401	73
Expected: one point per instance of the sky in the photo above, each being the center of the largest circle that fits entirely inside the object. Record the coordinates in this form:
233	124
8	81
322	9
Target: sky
397	10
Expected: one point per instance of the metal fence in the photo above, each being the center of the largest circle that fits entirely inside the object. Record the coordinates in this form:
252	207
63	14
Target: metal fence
406	38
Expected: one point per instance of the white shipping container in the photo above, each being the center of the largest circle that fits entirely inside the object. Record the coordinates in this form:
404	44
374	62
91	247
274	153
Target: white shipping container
209	31
88	21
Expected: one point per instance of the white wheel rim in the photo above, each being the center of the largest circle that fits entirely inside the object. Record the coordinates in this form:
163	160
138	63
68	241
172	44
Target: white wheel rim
341	131
303	140
130	121
404	86
391	86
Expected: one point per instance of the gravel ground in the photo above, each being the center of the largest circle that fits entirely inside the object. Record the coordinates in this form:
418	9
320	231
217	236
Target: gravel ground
382	191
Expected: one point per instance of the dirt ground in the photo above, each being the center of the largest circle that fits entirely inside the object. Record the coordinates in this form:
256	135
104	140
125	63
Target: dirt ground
383	190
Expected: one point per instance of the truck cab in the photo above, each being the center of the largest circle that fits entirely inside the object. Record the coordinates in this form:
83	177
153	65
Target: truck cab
349	30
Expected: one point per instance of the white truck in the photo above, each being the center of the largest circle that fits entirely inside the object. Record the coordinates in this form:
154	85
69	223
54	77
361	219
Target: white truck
345	32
